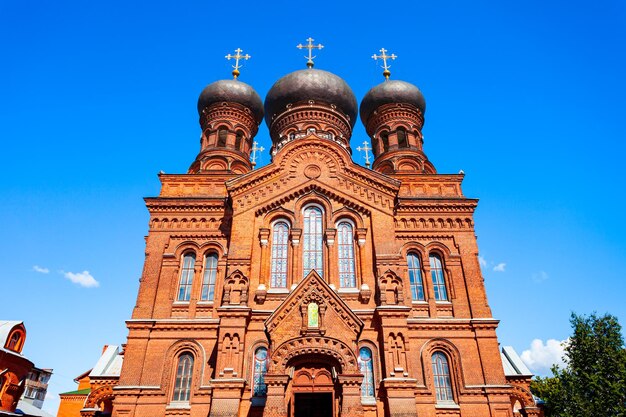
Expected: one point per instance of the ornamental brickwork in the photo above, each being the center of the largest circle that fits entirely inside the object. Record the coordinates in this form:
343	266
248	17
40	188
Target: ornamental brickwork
284	290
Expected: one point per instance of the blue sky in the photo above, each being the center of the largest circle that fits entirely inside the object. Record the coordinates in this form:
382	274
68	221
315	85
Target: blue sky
98	97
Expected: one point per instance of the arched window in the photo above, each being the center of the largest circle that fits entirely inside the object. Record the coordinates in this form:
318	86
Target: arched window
401	135
345	245
313	315
367	369
182	385
415	276
312	241
385	139
186	277
15	342
436	273
208	280
259	388
238	139
441	376
280	243
221	137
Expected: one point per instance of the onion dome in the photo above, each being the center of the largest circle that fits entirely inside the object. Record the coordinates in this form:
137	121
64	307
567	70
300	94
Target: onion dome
310	85
389	92
232	91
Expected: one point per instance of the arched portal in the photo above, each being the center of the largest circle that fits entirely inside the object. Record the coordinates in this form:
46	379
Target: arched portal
315	390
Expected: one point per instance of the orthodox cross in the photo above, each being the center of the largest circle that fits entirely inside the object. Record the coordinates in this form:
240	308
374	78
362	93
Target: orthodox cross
310	47
365	149
383	55
255	149
237	57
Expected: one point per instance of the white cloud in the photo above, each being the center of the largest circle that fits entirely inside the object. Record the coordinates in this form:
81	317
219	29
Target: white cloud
84	279
500	267
40	269
540	357
482	261
540	276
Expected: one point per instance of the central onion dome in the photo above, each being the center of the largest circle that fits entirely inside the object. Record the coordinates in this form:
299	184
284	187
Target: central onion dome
232	91
310	84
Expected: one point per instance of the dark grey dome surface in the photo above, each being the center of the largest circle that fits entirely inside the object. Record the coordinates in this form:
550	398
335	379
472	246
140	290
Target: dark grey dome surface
310	84
391	91
232	91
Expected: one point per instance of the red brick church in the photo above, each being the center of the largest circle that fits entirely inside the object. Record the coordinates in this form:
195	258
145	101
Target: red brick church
313	286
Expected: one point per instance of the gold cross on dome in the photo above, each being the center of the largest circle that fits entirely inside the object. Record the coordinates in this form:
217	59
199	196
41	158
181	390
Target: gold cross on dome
383	55
255	149
310	47
237	57
365	149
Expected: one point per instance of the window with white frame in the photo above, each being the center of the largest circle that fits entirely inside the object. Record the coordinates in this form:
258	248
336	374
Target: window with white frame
345	246
280	246
259	388
208	280
366	367
186	277
415	276
441	377
436	273
184	371
312	239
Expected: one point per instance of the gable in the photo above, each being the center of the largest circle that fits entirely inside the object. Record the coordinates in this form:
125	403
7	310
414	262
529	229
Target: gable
290	319
318	164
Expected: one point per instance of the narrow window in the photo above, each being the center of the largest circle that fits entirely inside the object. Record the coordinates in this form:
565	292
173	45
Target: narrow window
415	276
238	139
186	277
385	138
313	315
182	386
401	135
280	243
208	280
221	137
14	342
345	245
312	241
441	376
259	388
367	369
436	273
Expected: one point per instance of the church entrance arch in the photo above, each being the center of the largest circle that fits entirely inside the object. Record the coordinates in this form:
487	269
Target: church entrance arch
315	391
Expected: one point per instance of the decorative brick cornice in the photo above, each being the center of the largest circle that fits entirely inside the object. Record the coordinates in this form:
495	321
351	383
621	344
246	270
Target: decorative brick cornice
451	324
184	205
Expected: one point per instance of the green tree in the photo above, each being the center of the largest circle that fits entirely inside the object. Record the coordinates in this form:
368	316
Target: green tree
593	381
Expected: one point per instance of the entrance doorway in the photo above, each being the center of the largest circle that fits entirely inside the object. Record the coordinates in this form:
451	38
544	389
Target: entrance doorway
313	405
314	389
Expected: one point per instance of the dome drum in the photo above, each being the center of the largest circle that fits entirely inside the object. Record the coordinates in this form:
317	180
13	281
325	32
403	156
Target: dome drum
233	115
394	115
230	113
310	118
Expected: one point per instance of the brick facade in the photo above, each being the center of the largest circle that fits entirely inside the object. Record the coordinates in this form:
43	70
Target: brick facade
313	327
